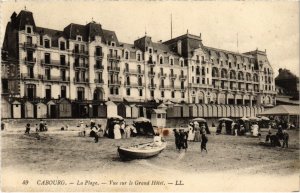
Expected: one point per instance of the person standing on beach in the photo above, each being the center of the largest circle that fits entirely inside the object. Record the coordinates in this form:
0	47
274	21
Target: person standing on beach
27	128
285	139
204	140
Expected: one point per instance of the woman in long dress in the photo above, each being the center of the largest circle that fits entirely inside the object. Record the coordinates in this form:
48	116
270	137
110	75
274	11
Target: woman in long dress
117	132
191	135
197	132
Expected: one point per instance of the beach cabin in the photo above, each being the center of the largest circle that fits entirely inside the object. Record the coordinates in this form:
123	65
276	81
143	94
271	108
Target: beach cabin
185	110
5	109
177	110
134	111
158	118
193	110
121	109
112	109
128	111
16	109
64	108
52	109
28	110
41	110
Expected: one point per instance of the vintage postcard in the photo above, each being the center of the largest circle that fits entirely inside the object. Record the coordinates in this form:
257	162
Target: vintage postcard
149	96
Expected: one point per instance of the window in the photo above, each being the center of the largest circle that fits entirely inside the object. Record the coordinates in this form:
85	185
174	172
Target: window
30	71
29	55
172	61
63	74
98	51
150	50
48	92
80	93
117	91
111	90
192	68
128	91
116	52
47	43
127	80
29	40
79	38
152	93
162	83
47	73
192	79
77	76
62	45
30	91
198	80
141	92
162	94
139	69
161	60
63	92
139	57
82	48
47	58
182	95
28	30
140	82
182	85
181	63
62	60
126	55
126	67
76	48
173	94
203	80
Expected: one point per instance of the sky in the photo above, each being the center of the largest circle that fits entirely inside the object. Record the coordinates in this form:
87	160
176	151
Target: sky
231	25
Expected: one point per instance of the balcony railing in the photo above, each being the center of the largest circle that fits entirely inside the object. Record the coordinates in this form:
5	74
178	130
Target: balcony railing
27	45
56	78
182	76
164	87
152	86
98	55
173	76
98	67
80	52
99	81
162	75
113	68
134	85
114	83
56	63
80	80
29	61
151	74
113	57
76	65
26	76
151	62
128	71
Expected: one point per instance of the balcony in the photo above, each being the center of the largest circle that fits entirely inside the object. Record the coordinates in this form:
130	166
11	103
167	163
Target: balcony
26	76
56	79
151	74
182	77
80	52
27	45
99	81
81	80
162	75
55	63
151	62
198	85
98	55
152	86
29	60
113	57
172	76
114	83
135	72
134	85
98	67
164	87
113	69
76	65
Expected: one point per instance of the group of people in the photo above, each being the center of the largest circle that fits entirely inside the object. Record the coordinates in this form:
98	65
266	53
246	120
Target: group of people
237	129
123	131
42	126
182	137
274	139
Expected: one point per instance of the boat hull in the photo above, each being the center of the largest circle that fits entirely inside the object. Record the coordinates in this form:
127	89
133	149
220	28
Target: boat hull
128	154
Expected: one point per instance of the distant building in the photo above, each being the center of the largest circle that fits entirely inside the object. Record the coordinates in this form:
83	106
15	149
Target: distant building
87	64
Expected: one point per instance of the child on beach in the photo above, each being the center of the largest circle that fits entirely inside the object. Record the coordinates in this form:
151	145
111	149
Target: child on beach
27	128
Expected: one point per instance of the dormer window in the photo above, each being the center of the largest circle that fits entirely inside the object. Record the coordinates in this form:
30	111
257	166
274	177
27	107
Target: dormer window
113	44
28	30
78	38
161	61
47	43
62	45
171	61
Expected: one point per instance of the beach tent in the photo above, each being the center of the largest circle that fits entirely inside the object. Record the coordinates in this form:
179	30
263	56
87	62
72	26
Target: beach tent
143	126
41	110
201	121
227	122
111	108
111	121
29	110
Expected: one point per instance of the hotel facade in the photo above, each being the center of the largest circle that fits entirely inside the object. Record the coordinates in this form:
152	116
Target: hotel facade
88	64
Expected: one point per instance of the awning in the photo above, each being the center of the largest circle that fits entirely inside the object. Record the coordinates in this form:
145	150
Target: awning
282	110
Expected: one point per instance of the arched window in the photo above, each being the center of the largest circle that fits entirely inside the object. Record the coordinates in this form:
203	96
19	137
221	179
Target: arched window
224	73
232	75
241	76
215	72
161	60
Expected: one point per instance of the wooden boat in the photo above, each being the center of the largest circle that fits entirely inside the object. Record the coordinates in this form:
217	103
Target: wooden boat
141	151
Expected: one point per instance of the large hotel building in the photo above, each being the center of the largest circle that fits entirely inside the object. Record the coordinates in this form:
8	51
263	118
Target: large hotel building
88	64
